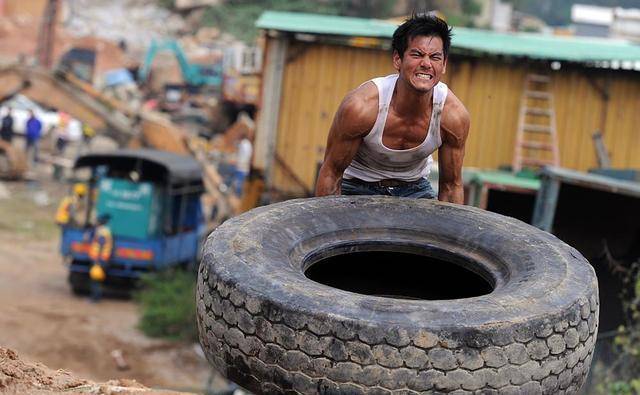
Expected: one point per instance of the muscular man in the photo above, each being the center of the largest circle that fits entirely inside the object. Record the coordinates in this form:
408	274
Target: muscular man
384	132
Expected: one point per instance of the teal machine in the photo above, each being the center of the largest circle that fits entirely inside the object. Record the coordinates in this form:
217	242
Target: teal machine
153	199
196	75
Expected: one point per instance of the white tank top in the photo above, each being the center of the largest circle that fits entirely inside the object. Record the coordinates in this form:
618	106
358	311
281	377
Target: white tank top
375	162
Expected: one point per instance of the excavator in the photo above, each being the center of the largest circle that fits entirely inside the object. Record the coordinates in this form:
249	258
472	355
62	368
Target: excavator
196	75
128	126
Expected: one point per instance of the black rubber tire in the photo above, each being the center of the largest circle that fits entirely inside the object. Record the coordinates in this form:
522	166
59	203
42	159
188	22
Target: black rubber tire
79	283
267	327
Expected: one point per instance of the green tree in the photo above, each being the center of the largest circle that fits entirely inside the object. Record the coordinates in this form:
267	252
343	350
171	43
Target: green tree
167	3
238	17
470	7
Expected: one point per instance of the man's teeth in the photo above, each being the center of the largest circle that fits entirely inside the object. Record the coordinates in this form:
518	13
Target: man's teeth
424	76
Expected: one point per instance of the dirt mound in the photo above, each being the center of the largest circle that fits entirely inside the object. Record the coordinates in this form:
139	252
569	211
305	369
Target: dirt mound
19	377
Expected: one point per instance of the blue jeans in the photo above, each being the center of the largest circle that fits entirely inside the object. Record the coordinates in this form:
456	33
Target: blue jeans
238	181
32	148
420	189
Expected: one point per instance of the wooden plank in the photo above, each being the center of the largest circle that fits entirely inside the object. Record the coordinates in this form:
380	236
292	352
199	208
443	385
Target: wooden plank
536	145
539	78
537	95
282	163
537	162
536	128
538	111
268	115
604	161
484	197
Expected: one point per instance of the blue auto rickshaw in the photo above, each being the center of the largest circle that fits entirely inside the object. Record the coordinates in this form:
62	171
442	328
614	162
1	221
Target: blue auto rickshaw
153	200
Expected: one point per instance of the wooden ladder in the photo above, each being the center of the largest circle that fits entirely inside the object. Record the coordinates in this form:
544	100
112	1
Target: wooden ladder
536	138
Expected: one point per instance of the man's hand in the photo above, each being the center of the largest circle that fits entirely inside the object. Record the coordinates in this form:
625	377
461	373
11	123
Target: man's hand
454	131
353	120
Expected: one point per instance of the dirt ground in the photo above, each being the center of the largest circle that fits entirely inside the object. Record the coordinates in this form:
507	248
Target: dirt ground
42	321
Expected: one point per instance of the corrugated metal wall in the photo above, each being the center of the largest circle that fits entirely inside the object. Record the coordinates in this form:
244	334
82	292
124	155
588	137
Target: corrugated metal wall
317	77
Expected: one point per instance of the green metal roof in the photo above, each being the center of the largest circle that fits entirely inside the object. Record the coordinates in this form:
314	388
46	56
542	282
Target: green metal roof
537	46
325	24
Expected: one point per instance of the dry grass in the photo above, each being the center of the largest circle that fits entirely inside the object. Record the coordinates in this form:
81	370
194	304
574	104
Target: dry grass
21	216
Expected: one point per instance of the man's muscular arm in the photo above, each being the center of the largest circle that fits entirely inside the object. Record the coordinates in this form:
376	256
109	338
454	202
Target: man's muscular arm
454	131
353	120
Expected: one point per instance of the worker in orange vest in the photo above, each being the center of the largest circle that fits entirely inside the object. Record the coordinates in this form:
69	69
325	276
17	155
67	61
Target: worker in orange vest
71	205
100	253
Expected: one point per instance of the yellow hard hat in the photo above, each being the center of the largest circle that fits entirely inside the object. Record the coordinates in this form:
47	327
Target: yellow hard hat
96	273
80	189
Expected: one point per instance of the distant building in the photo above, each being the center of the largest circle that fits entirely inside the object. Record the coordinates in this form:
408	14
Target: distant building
591	21
189	4
495	15
626	23
595	21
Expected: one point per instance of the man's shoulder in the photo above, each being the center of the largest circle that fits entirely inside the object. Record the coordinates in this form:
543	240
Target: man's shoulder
364	96
454	114
360	106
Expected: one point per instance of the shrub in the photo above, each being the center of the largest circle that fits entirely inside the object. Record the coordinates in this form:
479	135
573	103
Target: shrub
167	304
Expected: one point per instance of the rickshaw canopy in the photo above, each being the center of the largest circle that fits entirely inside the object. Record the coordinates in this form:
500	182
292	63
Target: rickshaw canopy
176	171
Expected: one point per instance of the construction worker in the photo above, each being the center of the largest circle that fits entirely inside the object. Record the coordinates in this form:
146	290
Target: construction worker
100	253
71	206
385	131
88	133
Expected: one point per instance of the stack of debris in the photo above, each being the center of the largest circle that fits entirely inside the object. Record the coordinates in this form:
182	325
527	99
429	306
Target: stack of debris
134	21
20	377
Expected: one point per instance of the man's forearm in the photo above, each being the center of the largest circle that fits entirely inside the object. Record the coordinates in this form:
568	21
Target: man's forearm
328	183
452	193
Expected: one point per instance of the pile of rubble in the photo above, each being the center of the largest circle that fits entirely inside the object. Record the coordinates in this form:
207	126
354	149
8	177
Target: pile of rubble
136	22
20	377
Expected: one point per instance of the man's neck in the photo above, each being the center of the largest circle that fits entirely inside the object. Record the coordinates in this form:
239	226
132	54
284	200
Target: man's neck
409	102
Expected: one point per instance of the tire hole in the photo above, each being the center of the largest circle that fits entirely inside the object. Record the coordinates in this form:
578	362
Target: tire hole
398	275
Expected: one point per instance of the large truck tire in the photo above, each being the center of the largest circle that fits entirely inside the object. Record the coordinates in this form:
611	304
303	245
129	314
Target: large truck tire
268	327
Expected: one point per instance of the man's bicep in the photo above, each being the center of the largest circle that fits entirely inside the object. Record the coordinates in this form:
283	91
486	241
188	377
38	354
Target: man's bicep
345	136
341	151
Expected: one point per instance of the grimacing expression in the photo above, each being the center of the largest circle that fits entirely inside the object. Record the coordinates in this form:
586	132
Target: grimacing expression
423	63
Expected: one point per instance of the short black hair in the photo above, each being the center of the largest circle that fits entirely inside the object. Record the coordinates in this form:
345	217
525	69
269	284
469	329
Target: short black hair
423	24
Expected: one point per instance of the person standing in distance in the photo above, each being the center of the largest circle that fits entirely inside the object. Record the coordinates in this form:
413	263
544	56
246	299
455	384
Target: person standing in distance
33	135
6	130
385	131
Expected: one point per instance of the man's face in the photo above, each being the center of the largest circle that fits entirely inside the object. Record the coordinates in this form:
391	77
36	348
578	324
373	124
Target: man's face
422	64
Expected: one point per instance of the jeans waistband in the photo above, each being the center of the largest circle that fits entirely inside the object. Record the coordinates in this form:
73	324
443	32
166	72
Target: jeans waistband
390	182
